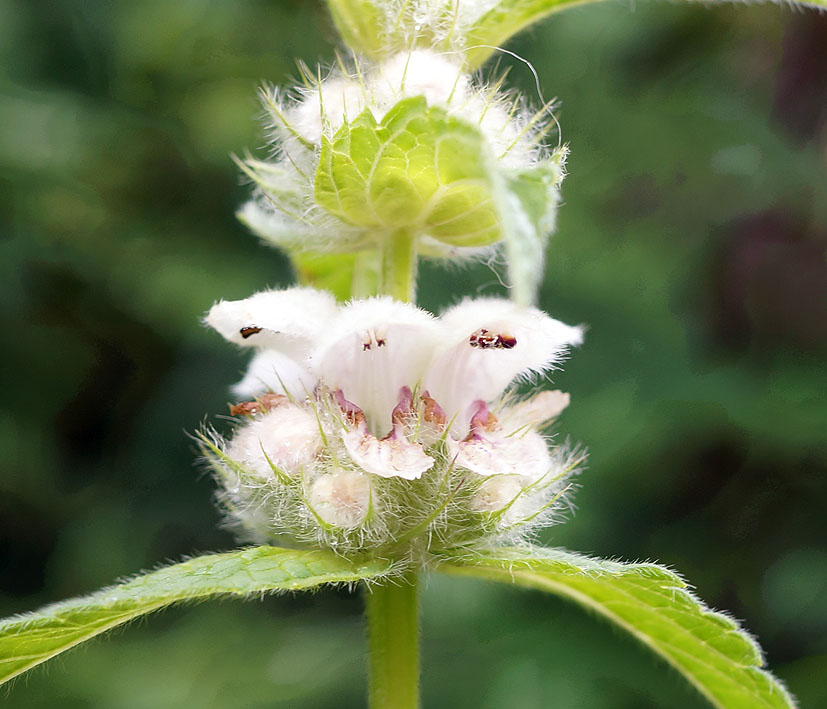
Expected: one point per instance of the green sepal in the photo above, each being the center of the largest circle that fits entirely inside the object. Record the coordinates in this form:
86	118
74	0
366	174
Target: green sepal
367	26
505	19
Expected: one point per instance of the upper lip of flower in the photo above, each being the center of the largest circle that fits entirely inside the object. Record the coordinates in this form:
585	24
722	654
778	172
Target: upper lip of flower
373	351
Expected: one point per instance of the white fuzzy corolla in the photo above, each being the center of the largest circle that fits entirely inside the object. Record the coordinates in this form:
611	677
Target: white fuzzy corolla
486	344
287	438
341	499
524	453
282	326
373	349
392	393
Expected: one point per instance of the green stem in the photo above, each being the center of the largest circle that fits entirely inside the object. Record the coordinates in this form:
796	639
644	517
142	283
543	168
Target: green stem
397	270
392	607
393	642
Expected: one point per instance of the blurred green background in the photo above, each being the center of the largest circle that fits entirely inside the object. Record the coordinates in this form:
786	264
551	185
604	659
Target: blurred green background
691	241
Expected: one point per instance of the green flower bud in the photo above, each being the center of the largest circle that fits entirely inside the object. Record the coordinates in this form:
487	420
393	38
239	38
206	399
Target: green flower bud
409	145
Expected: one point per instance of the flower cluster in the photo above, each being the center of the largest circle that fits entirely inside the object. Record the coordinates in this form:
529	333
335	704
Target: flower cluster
409	142
377	425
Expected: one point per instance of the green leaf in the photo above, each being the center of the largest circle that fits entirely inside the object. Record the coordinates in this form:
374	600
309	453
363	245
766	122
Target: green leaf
420	169
32	638
653	604
527	204
508	17
377	29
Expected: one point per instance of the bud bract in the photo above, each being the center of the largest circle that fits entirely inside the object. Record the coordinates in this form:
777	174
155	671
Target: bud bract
411	143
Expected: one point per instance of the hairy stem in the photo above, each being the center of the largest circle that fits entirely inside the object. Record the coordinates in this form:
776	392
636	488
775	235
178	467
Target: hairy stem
393	642
397	270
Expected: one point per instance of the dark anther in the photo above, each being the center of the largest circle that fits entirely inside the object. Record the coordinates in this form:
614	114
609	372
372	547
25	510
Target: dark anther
249	330
486	340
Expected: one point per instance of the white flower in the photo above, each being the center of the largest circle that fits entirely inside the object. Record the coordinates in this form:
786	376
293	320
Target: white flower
485	345
373	349
282	326
375	422
372	354
488	450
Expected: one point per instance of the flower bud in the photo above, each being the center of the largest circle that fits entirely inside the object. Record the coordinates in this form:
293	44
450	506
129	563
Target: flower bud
411	143
496	493
286	438
341	499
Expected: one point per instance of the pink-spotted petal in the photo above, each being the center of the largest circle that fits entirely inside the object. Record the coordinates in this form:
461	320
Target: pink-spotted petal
375	348
485	345
494	454
393	457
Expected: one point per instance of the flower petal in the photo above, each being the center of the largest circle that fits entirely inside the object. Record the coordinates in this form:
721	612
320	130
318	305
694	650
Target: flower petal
535	411
341	499
271	370
375	348
493	454
421	72
288	435
495	493
391	457
325	108
487	343
387	457
287	320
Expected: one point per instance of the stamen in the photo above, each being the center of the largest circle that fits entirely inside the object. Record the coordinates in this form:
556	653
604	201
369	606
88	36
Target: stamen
265	403
353	414
482	420
370	339
486	340
433	413
249	330
402	410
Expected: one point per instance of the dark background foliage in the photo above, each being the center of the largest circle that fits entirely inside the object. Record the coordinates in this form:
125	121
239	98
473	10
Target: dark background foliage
691	241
